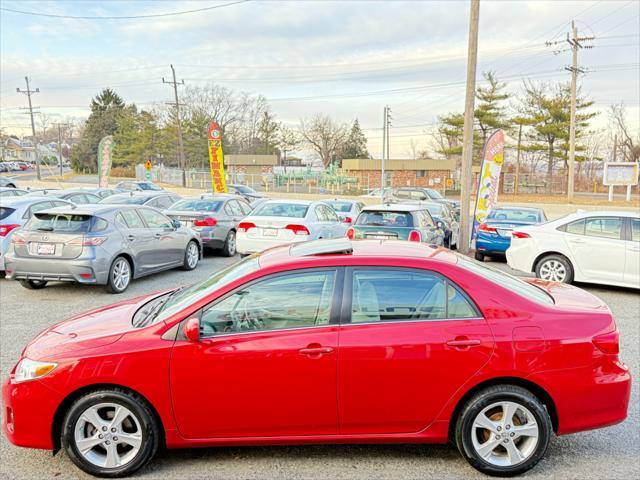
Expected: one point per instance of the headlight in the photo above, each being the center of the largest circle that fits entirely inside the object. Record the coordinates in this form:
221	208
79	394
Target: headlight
29	369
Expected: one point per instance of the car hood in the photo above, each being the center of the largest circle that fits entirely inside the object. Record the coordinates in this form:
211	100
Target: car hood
92	329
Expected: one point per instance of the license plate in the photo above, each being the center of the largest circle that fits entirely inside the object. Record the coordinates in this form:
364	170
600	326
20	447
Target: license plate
46	248
379	237
269	232
505	233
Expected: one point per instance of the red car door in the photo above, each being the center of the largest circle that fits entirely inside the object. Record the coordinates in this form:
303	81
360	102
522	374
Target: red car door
413	339
266	361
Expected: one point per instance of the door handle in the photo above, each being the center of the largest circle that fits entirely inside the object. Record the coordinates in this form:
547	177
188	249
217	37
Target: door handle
577	240
461	342
131	238
313	350
158	235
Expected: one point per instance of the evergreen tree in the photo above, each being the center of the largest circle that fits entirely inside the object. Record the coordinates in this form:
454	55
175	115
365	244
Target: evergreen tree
356	143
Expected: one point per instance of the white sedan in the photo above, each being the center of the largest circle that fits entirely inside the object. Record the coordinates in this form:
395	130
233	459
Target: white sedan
593	247
276	222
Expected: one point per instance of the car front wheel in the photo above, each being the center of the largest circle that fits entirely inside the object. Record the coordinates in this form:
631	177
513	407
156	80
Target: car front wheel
110	433
503	430
191	256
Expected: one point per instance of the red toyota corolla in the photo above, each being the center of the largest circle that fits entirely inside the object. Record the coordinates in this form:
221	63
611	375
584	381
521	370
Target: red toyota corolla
325	342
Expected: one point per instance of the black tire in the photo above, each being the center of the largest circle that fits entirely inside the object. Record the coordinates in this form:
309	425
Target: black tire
114	286
190	262
552	261
479	256
149	431
486	398
229	247
33	284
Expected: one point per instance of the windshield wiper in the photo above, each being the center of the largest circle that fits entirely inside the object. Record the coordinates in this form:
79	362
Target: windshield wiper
157	308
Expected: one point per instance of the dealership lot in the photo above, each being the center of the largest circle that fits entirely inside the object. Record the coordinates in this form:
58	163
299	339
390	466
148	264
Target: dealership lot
607	453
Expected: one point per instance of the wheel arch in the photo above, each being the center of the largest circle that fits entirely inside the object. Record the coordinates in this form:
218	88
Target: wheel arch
534	388
129	259
58	417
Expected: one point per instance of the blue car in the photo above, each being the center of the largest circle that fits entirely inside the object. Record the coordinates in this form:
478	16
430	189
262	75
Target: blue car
494	235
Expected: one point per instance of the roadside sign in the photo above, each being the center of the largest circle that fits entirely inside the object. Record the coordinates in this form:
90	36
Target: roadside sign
148	165
620	173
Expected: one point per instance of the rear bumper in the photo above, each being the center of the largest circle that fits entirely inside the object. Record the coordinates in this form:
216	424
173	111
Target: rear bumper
247	245
590	397
489	245
28	409
520	257
81	270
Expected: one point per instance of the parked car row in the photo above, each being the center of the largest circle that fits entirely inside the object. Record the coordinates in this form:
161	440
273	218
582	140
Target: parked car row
15	166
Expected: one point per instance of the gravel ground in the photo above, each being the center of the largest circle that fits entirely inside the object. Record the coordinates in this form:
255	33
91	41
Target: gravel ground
612	453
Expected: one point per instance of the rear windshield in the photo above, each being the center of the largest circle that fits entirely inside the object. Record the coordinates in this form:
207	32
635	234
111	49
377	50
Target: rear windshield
149	186
124	200
435	209
197	205
243	189
434	194
293	210
385	219
5	212
513	215
59	222
342	207
514	284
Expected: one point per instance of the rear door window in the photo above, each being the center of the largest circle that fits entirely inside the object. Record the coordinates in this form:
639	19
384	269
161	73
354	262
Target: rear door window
635	230
131	219
155	219
605	227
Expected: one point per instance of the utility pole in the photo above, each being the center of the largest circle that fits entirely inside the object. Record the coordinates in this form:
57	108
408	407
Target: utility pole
384	150
388	125
60	145
175	84
28	92
467	139
574	43
515	187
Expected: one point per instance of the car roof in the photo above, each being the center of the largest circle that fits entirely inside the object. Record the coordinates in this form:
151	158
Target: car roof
394	207
515	207
348	251
291	200
600	213
215	196
147	193
16	202
88	208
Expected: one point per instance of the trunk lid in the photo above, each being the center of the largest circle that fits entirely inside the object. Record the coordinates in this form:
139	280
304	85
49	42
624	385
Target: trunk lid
273	227
571	298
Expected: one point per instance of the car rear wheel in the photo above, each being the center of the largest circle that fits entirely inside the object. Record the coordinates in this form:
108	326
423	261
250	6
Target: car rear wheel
110	433
119	275
33	284
479	256
503	430
555	268
229	248
191	256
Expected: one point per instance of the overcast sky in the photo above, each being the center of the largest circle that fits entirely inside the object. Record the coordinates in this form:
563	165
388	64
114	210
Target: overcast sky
343	58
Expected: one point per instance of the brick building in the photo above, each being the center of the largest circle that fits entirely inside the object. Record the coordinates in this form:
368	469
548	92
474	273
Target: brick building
250	164
400	173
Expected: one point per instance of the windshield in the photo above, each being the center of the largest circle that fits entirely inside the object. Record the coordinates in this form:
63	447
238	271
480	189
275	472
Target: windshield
293	210
124	200
514	215
522	288
244	189
192	294
148	186
434	194
197	205
385	219
59	222
342	207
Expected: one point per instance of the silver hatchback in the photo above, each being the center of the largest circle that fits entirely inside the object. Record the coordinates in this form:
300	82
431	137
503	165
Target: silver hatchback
99	244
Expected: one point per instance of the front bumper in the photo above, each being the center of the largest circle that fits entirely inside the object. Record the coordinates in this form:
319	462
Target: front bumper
28	410
81	270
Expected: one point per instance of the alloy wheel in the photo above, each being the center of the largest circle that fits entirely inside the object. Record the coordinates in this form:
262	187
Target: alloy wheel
192	255
553	270
231	244
505	434
121	274
108	435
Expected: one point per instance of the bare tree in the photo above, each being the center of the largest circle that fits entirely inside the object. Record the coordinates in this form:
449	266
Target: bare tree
324	136
287	140
628	144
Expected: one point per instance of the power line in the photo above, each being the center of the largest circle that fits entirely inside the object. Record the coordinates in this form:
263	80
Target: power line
123	17
28	92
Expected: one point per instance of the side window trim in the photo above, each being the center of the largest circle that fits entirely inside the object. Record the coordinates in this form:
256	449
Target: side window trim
347	297
336	301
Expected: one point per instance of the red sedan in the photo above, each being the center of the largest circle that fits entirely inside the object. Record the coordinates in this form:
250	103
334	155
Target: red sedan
325	342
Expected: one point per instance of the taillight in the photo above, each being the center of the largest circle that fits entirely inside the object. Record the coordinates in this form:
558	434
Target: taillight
206	222
608	342
298	229
415	236
87	241
347	220
5	229
245	226
18	239
520	235
486	228
351	233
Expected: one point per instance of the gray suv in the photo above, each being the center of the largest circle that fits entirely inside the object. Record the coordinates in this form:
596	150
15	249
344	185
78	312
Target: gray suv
99	244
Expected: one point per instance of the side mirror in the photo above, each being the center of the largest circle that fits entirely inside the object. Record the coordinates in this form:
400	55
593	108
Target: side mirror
191	329
176	224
